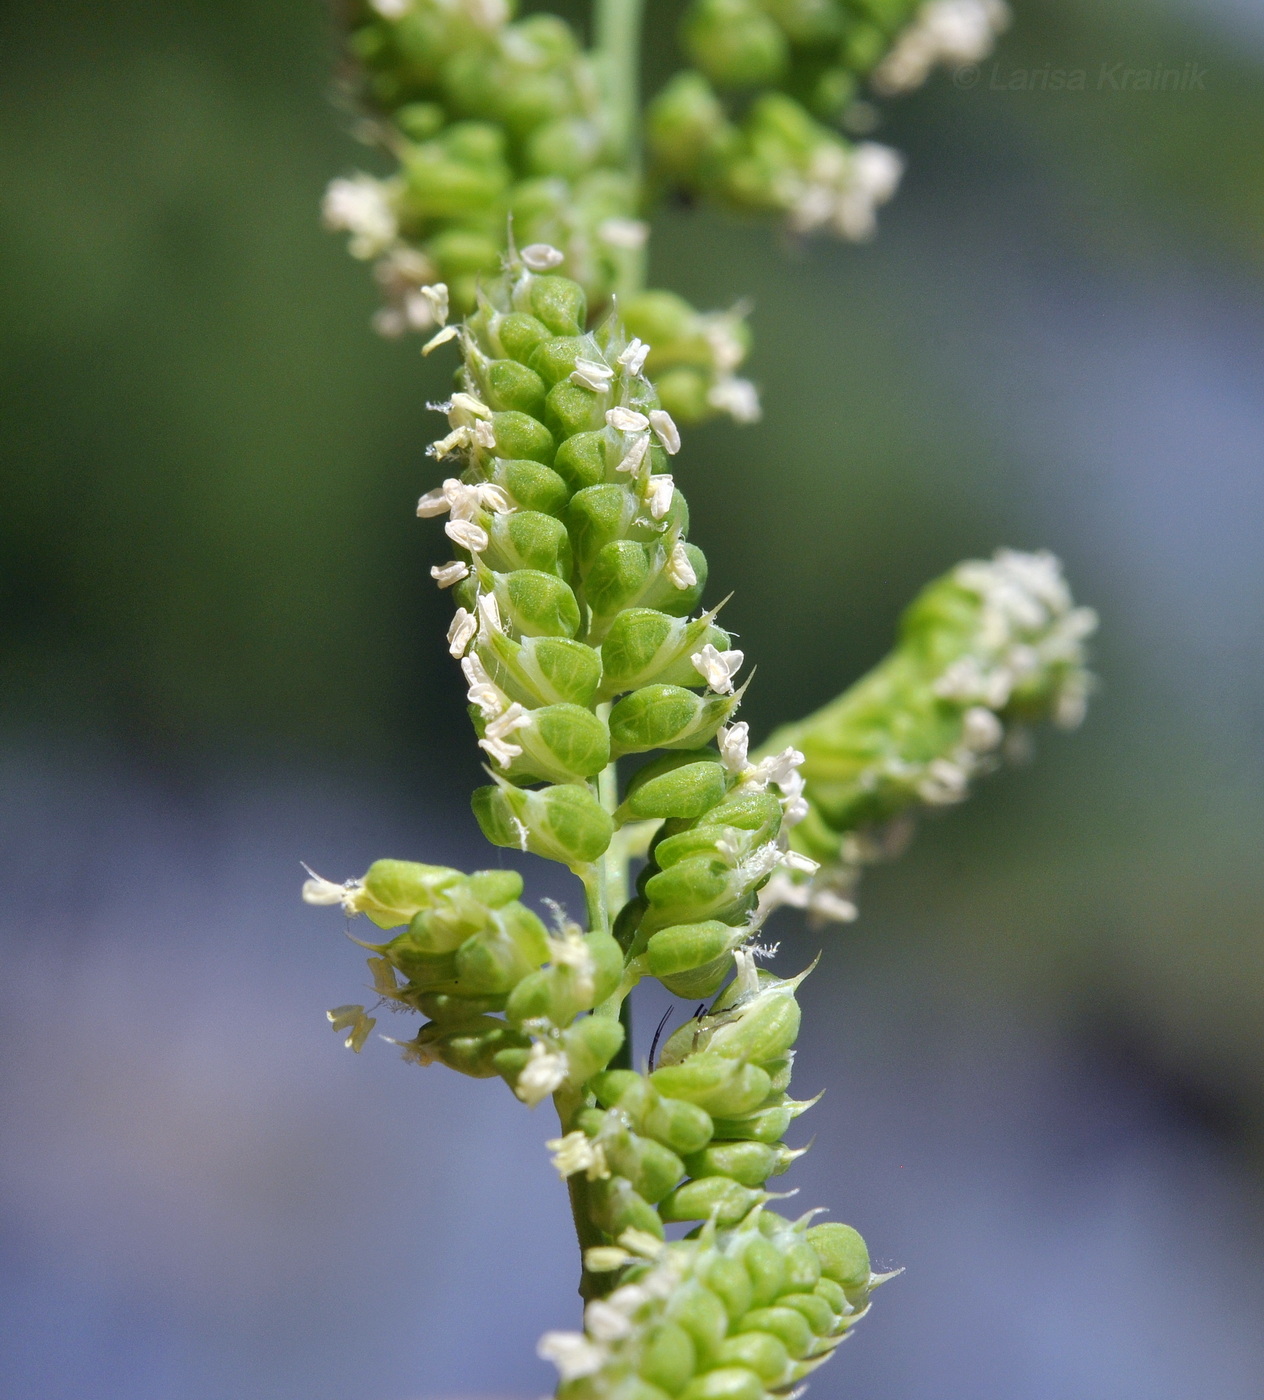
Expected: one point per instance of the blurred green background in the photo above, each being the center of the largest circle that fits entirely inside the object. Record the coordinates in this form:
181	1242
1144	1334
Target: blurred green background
211	564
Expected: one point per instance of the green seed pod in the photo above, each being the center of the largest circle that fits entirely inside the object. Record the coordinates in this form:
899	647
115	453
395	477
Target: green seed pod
766	1268
392	891
435	932
598	516
667	717
832	1294
581	460
687	947
685	126
668	1357
723	1087
765	1124
747	1163
491	964
712	1196
590	1045
735	43
695	890
559	743
701	1314
559	303
756	1351
421	968
532	485
528	539
564	823
518	334
509	385
616	1207
653	1170
682	1126
644	647
803	1267
470	1049
843	1254
451	1009
816	1312
537	604
787	1325
541	670
748	810
762	1030
495	888
610	1086
676	785
519	435
725	1383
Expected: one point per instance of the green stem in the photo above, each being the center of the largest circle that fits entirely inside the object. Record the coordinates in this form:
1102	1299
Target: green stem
617	44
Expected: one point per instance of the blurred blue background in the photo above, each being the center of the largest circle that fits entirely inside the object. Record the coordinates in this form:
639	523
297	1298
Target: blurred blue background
1043	1040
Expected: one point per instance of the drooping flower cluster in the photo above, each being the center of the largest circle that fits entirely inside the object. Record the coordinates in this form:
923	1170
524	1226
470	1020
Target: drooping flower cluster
991	649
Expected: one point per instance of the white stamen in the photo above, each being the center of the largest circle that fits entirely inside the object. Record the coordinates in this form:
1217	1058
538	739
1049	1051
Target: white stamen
734	742
666	431
436	296
545	1071
605	1258
467	404
485	435
627	234
634	356
489	613
981	731
737	397
717	668
445	575
800	864
467	535
577	1152
461	632
435	341
604	1323
541	257
627	420
662	489
572	1353
359	206
589	374
679	570
635	455
353	1019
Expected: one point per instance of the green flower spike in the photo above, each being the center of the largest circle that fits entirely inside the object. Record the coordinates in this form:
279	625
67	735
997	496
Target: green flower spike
512	231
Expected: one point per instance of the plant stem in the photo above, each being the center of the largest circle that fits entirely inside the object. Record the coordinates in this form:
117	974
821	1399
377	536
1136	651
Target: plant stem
617	43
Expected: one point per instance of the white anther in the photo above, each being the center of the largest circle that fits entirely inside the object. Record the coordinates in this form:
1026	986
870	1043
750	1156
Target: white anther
679	571
635	455
514	718
359	206
392	9
572	1353
825	904
500	750
489	613
634	356
717	668
541	257
436	296
734	742
461	632
604	1323
944	783
589	374
434	502
544	1072
662	489
800	864
737	397
458	437
605	1258
467	535
467	404
485	435
981	731
665	430
352	1019
628	234
627	420
577	1152
781	769
318	890
445	575
435	341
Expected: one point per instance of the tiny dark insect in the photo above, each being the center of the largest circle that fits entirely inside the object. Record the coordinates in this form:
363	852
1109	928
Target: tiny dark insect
654	1043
